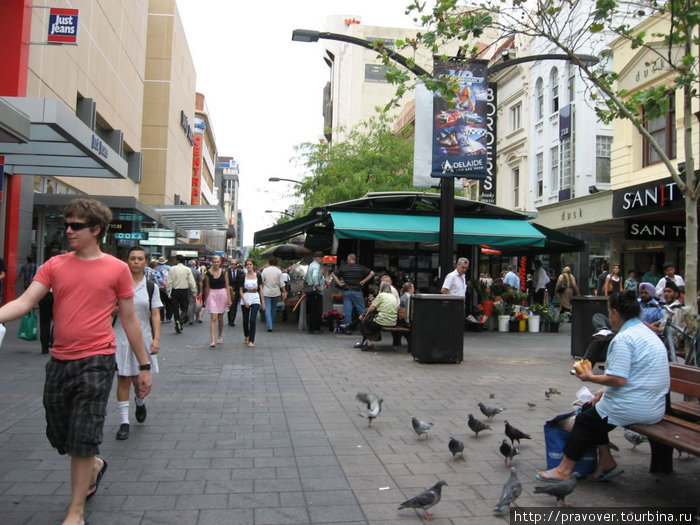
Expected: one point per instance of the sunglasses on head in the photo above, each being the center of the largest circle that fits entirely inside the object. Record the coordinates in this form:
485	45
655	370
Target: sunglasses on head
75	226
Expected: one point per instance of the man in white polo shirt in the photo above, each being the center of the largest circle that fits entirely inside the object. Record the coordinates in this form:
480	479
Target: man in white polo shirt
456	281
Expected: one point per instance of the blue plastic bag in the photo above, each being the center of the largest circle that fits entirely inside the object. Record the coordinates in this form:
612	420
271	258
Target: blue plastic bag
555	438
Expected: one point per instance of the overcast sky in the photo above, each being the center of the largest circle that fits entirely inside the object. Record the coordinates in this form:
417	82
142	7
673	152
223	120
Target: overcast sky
263	91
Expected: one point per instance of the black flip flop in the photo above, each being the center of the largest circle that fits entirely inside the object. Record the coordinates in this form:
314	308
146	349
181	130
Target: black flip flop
96	485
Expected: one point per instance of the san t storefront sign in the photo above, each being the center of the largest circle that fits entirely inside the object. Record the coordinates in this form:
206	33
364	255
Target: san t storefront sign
63	26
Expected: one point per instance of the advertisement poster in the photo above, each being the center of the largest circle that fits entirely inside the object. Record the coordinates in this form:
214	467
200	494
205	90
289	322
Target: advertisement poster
459	128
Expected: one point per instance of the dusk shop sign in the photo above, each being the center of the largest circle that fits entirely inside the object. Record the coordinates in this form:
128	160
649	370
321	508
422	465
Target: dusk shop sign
654	231
650	197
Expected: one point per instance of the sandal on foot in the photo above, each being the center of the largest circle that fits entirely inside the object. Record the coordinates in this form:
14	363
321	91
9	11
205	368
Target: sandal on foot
219	341
605	475
93	487
547	477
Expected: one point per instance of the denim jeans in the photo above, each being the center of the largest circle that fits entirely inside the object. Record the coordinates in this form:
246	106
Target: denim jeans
353	299
270	311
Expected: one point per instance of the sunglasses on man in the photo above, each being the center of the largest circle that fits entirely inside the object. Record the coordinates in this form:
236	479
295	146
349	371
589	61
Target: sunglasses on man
75	226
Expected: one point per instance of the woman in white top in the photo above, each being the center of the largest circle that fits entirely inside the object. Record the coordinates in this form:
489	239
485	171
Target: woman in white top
252	300
148	314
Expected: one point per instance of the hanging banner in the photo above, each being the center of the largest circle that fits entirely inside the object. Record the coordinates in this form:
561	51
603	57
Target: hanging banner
63	25
487	186
459	129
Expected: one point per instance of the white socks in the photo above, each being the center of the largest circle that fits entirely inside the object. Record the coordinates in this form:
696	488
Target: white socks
123	407
140	401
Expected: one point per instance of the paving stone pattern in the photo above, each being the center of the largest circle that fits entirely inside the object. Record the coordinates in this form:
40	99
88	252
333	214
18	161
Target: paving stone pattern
271	435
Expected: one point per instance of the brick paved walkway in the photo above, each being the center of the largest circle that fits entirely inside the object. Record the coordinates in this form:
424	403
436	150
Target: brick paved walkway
271	435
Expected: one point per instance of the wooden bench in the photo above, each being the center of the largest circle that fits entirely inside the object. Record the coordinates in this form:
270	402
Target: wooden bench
679	427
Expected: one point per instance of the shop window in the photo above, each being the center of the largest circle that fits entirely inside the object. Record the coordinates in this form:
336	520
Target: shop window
602	159
663	129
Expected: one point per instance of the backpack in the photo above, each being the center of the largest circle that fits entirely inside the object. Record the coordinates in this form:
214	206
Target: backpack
150	288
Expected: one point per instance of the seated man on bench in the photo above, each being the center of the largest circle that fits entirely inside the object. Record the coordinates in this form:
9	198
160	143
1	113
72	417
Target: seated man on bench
635	385
382	312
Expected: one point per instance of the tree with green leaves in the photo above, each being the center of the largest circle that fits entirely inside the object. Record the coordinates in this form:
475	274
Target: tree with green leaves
569	25
370	158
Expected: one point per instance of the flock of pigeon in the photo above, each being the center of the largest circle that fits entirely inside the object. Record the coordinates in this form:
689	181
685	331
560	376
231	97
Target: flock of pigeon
512	488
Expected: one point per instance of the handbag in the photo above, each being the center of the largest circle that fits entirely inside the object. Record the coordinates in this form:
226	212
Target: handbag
555	438
27	327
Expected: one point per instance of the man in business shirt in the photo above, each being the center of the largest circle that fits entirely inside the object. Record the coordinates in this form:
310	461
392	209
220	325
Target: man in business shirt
180	286
511	278
313	280
234	275
456	282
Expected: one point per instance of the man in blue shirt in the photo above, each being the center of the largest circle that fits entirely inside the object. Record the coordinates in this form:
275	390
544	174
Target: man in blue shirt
651	309
313	280
511	278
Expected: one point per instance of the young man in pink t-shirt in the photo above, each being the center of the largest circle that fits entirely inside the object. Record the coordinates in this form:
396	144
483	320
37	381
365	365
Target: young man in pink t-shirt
86	283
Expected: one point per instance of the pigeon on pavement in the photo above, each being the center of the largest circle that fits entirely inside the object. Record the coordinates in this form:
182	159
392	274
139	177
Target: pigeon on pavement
531	404
490	412
510	492
634	438
456	447
477	425
514	434
425	500
560	490
421	427
508	452
374	405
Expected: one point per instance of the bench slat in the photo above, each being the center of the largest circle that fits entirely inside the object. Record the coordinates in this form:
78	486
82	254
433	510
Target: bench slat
677	436
685	409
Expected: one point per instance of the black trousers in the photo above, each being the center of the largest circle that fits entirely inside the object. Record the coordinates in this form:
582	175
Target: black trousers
539	295
589	430
167	305
314	307
180	303
233	309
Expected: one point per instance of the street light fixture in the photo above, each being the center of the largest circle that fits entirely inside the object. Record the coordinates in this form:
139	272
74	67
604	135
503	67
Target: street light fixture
285	213
278	179
447	184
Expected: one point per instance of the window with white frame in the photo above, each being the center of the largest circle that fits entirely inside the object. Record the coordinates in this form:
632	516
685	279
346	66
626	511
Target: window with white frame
516	187
572	82
602	159
567	164
663	130
539	182
539	90
554	173
554	86
515	116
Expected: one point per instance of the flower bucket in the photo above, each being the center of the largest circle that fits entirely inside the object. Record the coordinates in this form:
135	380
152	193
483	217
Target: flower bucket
534	323
513	325
523	325
503	321
487	307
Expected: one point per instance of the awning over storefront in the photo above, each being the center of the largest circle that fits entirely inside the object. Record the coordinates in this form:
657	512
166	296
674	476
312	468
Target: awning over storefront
60	144
194	217
288	229
14	125
422	228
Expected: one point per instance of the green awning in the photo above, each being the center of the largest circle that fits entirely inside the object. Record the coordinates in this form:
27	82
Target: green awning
422	228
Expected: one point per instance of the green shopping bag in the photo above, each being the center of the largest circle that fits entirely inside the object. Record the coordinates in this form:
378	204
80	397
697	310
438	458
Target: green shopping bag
27	327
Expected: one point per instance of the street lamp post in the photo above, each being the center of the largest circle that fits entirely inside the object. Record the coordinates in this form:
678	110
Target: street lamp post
447	184
278	179
285	213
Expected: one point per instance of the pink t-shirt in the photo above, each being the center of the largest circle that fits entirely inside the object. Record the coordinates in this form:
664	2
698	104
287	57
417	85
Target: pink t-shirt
85	293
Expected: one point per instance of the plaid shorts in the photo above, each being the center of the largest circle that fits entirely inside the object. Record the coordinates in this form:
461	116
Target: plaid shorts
75	399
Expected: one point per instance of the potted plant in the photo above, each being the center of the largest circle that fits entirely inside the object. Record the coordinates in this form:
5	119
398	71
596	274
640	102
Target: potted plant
500	309
538	316
554	318
483	294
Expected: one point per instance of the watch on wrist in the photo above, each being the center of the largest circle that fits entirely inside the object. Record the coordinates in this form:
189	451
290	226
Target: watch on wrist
147	366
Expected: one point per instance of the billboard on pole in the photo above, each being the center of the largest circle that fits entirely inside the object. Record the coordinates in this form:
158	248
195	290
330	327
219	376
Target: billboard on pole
459	124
